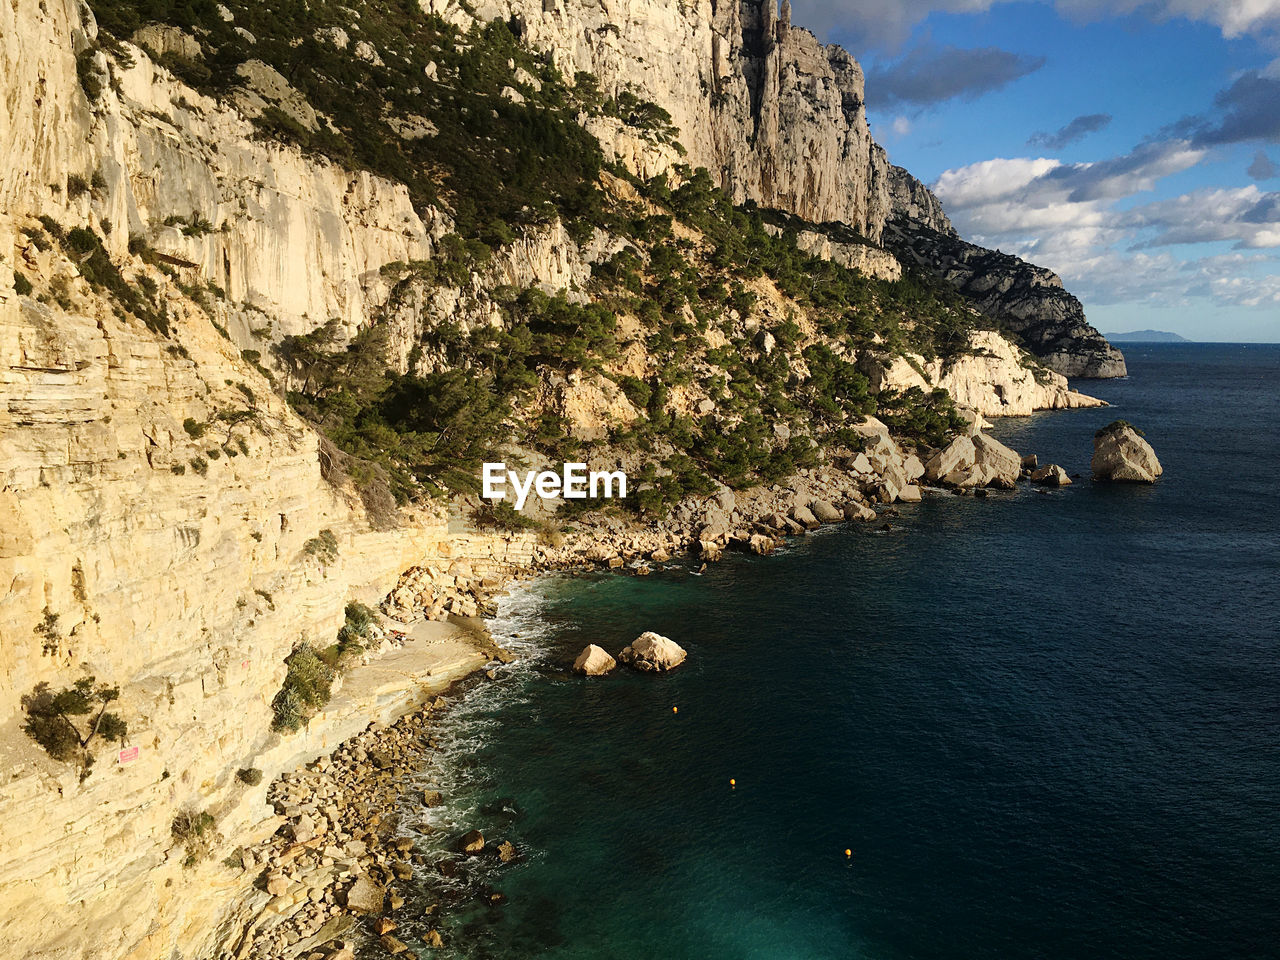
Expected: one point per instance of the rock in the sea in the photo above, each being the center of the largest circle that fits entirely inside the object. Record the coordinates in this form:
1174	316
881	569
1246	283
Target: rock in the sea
1121	455
761	545
825	511
652	653
471	842
392	945
910	494
365	896
1000	465
804	516
977	461
433	939
506	851
594	661
1051	475
853	510
959	454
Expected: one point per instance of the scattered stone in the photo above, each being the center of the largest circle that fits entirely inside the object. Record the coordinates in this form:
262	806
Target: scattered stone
365	896
384	925
392	945
506	851
471	843
433	939
825	512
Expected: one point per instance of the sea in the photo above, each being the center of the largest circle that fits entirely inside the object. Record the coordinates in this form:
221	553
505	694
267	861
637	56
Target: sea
1044	724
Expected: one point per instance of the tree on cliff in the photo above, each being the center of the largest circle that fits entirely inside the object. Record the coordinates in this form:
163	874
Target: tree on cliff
49	720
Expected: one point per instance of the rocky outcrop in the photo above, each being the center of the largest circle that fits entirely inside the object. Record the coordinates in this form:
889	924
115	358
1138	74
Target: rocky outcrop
1122	455
652	653
1051	475
992	376
912	200
1027	299
594	661
977	461
862	257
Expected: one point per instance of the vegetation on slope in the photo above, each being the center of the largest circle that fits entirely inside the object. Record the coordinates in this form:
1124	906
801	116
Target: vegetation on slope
506	154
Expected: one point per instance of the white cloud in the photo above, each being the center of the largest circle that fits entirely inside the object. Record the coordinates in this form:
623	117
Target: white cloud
1233	17
886	24
1243	215
901	126
1069	217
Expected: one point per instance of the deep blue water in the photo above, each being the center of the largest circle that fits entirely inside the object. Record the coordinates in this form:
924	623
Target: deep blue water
1047	726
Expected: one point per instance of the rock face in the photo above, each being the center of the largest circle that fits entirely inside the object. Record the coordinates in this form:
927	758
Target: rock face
652	653
772	113
1028	299
913	201
1121	455
594	662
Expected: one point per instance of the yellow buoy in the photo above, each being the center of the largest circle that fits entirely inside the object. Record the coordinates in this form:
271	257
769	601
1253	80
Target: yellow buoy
848	853
733	782
675	709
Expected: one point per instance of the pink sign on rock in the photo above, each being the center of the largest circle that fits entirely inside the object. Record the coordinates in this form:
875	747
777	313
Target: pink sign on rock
128	755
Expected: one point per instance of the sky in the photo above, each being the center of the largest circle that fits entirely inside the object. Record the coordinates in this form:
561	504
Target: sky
1133	146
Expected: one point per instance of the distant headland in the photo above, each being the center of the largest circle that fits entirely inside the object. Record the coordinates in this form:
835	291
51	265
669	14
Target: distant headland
1146	336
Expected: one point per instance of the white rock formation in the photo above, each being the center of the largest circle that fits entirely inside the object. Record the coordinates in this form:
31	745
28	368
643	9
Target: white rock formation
652	653
993	378
594	661
1122	455
1051	475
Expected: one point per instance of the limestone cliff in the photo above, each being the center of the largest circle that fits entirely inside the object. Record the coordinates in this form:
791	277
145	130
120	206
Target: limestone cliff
775	115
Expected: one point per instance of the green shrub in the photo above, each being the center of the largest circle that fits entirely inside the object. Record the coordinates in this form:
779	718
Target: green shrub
195	429
51	720
306	689
1115	426
323	546
21	285
251	776
77	186
194	830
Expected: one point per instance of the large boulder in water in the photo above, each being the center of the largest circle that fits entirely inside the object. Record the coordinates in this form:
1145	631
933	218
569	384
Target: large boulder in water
652	653
958	455
1051	475
976	461
594	662
1000	465
1121	455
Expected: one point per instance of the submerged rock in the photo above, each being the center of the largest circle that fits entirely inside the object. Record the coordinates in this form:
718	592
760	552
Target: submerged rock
652	653
472	842
594	661
1121	455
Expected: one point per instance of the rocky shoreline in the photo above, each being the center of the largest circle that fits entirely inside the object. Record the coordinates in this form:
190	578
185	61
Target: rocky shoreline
332	877
334	869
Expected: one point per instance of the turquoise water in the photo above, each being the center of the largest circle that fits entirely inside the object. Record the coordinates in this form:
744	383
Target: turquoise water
1046	725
